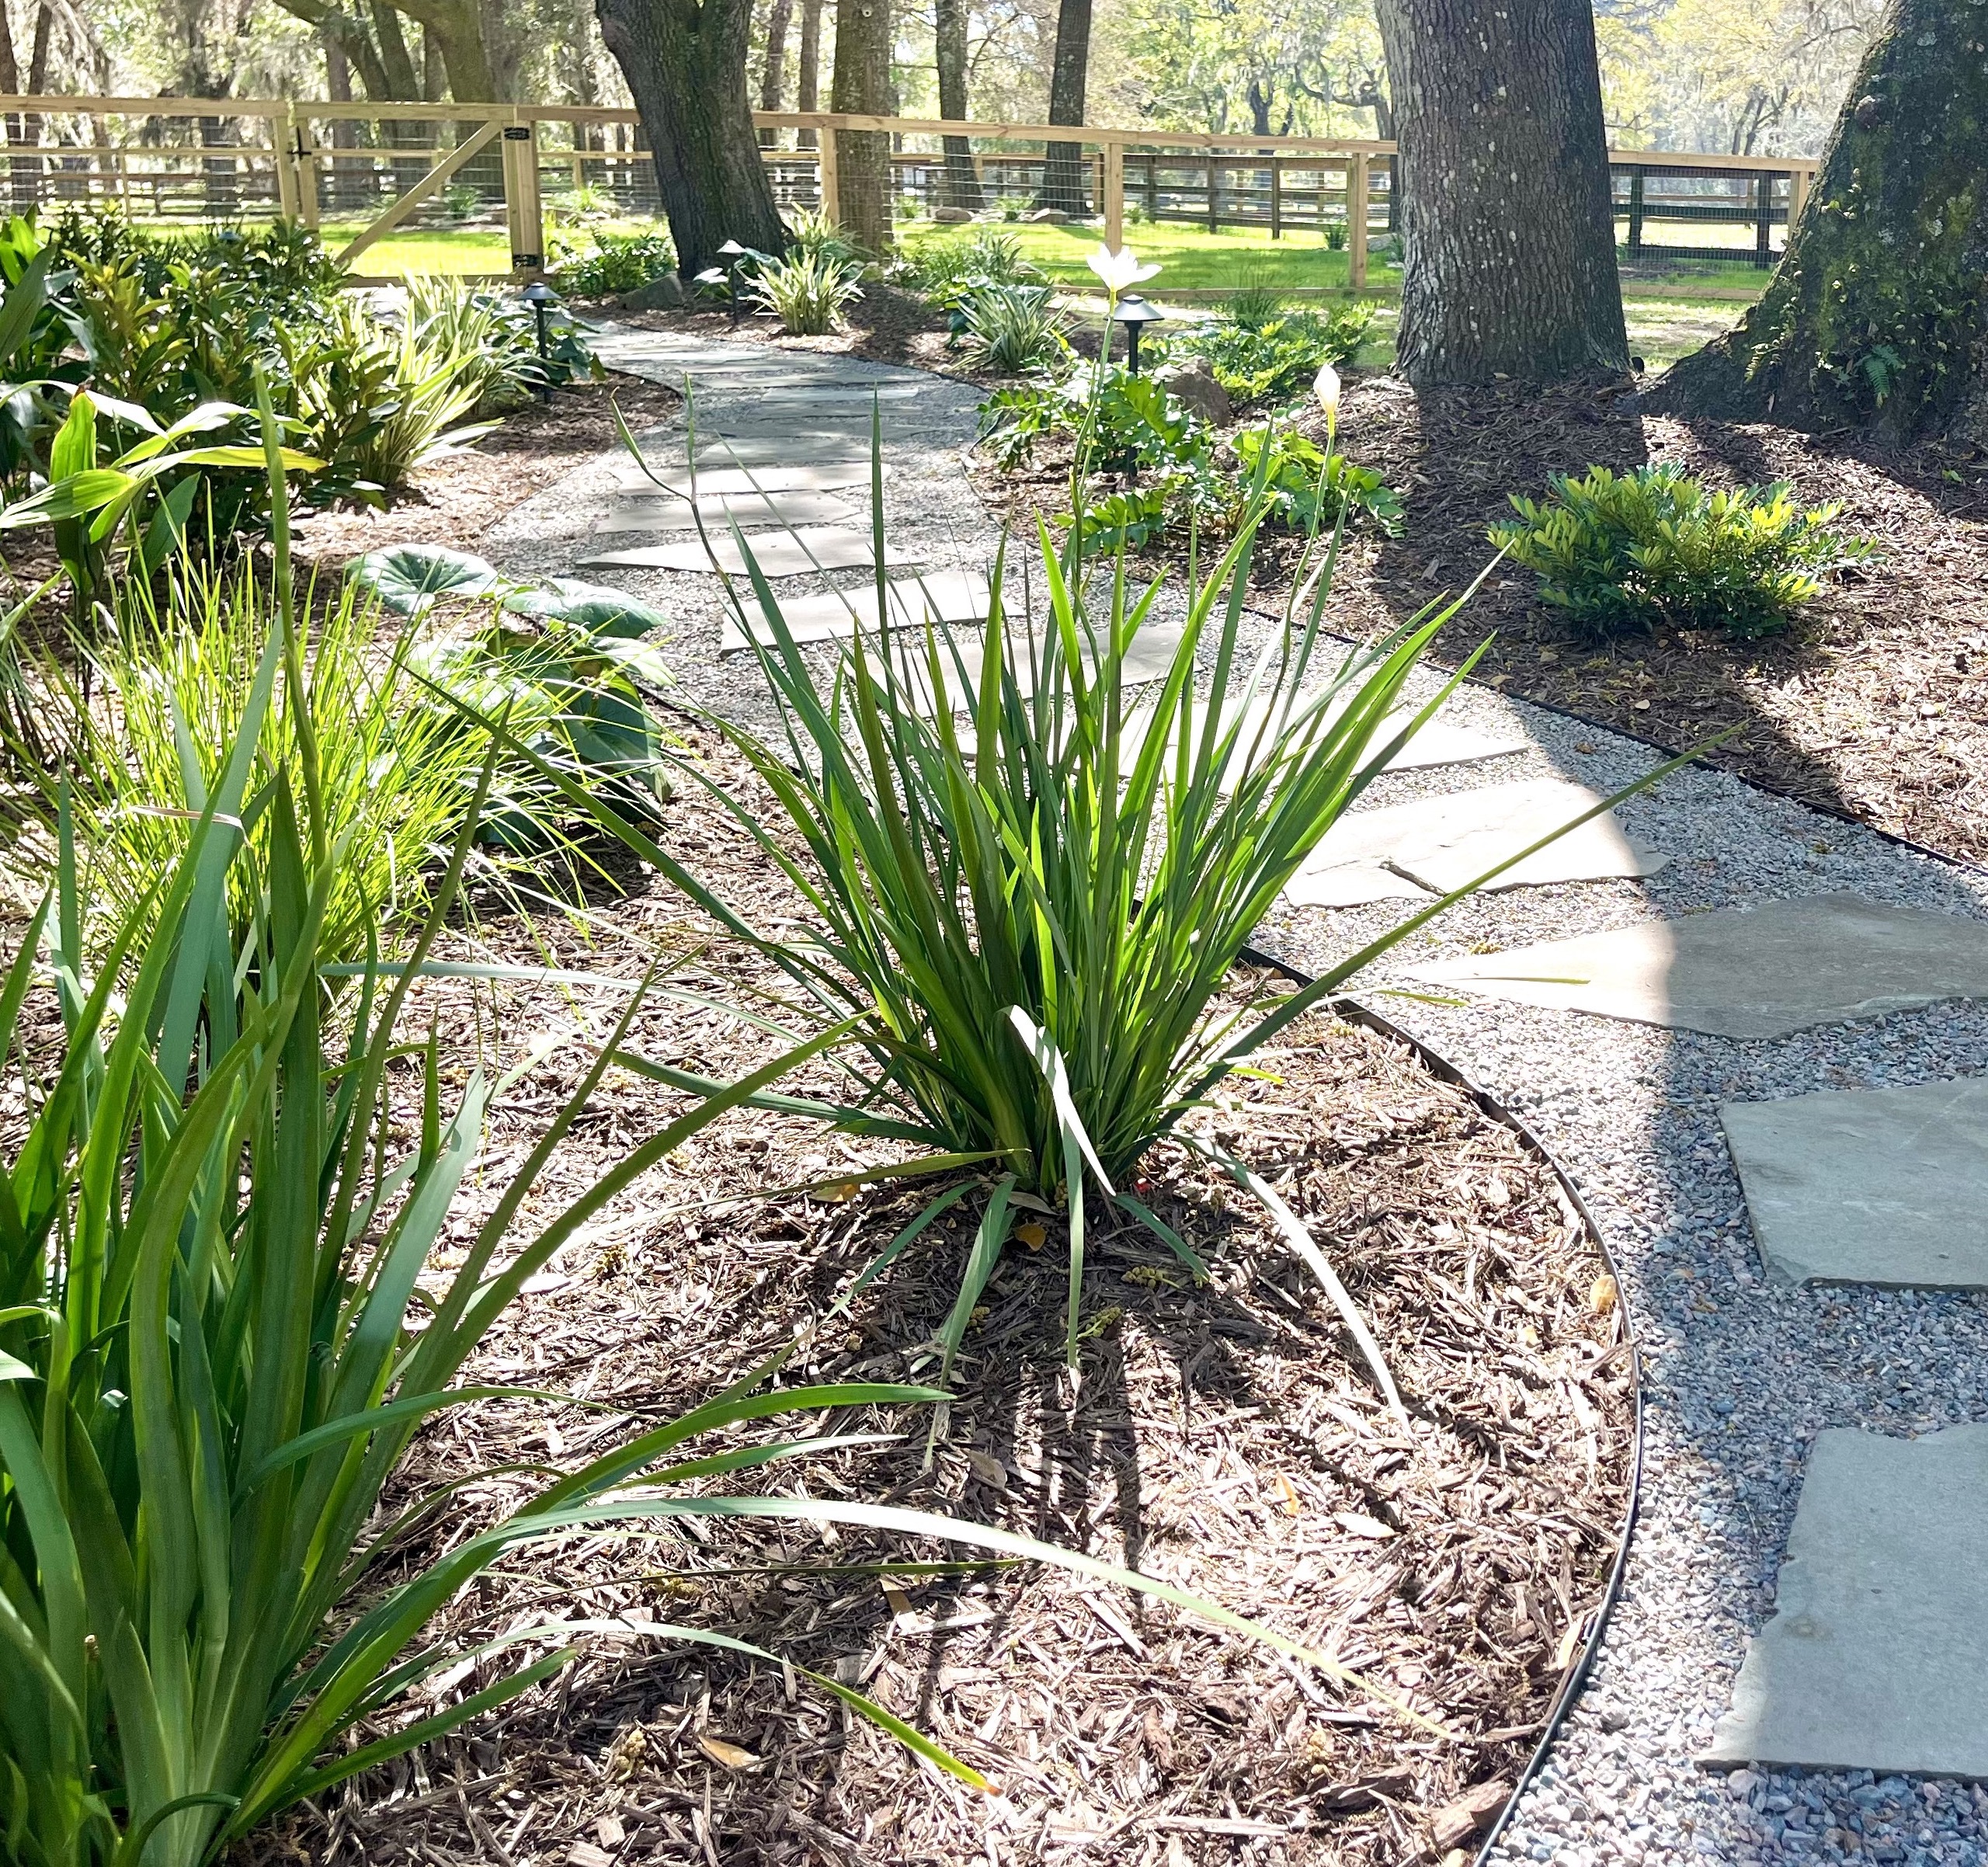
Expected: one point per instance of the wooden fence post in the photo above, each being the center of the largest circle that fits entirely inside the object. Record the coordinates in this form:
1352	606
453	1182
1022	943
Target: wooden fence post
1356	222
1798	197
1114	195
1277	197
1215	192
831	186
523	209
283	152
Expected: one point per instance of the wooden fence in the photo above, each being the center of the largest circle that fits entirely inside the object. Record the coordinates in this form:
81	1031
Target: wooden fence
375	167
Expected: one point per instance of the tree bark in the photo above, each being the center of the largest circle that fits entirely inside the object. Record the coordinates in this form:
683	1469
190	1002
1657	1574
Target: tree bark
808	96
1063	172
1508	231
963	188
685	62
863	87
1877	315
773	76
456	28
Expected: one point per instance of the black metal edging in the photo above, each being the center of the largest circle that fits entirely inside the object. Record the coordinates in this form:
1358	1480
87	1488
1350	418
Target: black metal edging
1441	1066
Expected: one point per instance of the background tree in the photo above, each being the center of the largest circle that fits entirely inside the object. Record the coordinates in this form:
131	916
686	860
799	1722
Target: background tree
1508	231
863	89
949	44
1878	314
772	73
685	62
1063	169
808	70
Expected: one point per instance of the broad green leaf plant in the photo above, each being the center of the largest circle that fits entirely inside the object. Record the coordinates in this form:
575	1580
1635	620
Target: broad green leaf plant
1028	911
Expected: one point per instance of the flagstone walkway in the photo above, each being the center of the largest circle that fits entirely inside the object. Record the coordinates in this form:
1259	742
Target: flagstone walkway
1710	975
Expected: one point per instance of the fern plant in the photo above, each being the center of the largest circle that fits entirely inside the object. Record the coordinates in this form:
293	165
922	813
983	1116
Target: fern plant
1618	553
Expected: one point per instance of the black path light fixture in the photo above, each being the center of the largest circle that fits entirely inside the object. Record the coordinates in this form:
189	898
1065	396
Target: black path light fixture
1134	313
539	295
732	252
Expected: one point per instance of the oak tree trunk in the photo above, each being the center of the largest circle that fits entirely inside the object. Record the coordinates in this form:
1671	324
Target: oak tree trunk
863	89
685	62
1878	315
963	188
808	74
1508	232
1063	172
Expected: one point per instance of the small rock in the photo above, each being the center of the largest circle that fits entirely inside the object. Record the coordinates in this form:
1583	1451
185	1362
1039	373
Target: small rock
1053	217
1194	387
663	293
952	217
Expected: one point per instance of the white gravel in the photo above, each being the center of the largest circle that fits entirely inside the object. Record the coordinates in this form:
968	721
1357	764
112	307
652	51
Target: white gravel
1740	1373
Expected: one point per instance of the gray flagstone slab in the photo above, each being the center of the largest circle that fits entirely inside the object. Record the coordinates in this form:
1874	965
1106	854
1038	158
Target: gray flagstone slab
1436	844
677	483
1147	657
944	596
1886	1186
1818	959
1877	1656
783	554
719	510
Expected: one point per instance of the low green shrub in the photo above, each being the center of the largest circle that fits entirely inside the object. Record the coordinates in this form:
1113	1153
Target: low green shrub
611	263
1621	552
946	270
1276	359
1256	301
1013	328
1308	488
807	291
810	230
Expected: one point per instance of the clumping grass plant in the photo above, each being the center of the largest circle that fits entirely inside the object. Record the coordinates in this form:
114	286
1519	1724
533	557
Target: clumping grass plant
1028	914
808	290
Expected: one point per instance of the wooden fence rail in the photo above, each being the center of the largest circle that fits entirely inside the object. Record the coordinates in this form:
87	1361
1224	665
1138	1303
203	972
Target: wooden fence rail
199	157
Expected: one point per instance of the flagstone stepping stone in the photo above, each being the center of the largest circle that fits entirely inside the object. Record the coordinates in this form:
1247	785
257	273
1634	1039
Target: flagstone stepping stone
1877	1656
813	548
1438	742
1820	959
717	511
823	479
944	596
1147	657
785	448
853	392
1886	1186
1435	844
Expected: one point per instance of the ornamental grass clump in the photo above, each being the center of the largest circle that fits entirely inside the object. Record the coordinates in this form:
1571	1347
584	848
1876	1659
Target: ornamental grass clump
1027	910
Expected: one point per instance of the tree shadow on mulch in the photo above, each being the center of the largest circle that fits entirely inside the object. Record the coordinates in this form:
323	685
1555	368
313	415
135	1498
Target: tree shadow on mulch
1871	707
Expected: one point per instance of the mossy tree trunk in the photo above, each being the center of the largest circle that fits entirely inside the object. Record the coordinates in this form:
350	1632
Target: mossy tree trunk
1063	177
685	61
1878	315
1508	235
963	188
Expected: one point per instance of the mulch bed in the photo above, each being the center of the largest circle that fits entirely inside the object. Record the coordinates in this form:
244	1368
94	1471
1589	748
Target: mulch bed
1225	1437
1875	706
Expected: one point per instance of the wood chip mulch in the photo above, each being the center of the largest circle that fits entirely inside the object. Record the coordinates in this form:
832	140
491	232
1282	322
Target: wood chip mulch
1875	706
1225	1437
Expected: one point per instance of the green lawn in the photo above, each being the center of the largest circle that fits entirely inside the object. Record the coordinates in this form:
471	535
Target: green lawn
1192	258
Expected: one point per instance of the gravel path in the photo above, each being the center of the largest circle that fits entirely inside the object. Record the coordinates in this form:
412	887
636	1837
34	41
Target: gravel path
1741	1373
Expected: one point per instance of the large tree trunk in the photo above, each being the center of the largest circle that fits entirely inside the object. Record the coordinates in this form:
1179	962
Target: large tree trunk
1507	229
807	94
863	88
1877	314
949	41
685	62
772	77
1063	170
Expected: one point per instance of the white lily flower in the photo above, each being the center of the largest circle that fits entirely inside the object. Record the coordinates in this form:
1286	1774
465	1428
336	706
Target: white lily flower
1325	386
1120	270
